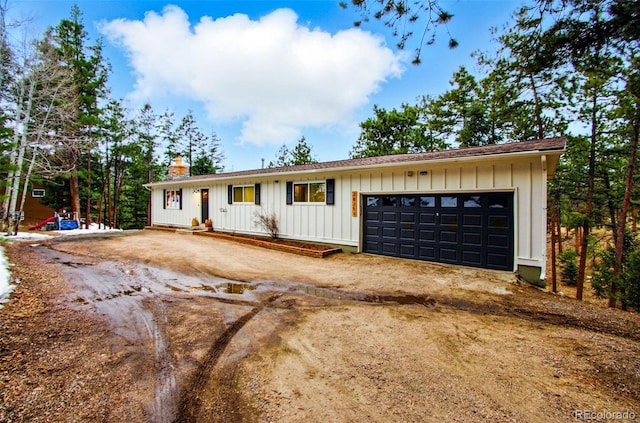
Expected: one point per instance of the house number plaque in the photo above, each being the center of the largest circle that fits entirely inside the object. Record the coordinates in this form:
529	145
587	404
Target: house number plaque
354	203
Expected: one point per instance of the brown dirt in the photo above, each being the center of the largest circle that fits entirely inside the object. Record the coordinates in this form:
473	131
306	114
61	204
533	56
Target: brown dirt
137	328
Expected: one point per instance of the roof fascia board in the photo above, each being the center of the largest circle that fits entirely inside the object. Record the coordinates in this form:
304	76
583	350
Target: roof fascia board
431	162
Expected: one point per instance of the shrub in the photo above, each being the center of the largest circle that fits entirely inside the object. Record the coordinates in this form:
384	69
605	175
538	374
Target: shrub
569	272
627	281
269	222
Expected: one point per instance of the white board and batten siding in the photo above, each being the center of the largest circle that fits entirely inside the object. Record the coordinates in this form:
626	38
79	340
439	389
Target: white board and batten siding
525	175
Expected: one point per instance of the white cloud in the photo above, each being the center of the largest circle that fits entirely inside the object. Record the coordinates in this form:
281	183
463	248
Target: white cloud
274	74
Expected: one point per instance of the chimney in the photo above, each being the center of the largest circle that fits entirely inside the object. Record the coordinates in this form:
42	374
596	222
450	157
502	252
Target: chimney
177	169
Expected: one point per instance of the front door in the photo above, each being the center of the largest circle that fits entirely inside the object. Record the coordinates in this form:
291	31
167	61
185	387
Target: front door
204	204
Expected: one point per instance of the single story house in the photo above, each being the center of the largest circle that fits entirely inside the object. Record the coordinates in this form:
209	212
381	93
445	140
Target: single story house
481	206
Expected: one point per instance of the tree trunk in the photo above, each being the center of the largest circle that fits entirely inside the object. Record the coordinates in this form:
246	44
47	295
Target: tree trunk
589	204
27	178
538	107
74	188
622	222
559	227
74	192
87	213
611	206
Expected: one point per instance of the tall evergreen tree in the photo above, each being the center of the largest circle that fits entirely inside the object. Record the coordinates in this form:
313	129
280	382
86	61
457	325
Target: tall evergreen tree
168	137
395	132
209	156
89	70
190	138
301	153
146	128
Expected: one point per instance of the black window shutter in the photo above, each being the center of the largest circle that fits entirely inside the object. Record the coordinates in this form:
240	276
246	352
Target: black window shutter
331	191
164	198
256	195
180	193
289	192
229	194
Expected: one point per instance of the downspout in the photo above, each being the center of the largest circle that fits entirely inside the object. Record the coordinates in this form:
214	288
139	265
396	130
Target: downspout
150	204
543	270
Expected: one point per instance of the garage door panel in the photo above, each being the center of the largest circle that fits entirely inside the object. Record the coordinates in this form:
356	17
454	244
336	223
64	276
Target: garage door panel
408	250
472	220
372	246
390	248
426	252
373	231
426	235
449	255
498	240
498	222
427	218
407	234
472	238
472	257
497	261
390	232
407	217
449	237
372	216
389	216
449	219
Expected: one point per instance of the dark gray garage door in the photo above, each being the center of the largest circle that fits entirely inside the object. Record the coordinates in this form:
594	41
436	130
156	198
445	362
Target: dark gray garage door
474	229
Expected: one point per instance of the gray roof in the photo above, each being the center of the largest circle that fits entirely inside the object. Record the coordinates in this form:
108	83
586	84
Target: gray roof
547	144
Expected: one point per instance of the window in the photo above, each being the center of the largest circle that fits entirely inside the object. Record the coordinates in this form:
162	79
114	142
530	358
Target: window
173	199
309	192
373	201
407	201
389	200
427	201
472	201
244	194
446	201
37	193
499	201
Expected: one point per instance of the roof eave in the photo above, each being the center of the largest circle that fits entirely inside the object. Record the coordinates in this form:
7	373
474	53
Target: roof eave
482	157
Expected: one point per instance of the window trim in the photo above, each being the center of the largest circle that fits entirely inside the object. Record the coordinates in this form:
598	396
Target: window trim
308	184
175	204
233	191
40	193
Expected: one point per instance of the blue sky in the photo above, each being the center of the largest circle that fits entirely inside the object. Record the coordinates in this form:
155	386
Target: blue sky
263	73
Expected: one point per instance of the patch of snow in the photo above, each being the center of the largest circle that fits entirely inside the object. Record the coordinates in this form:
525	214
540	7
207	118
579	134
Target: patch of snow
93	229
5	278
22	236
41	235
5	275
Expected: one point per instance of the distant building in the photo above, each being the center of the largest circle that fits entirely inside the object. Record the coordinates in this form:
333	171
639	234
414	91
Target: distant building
34	210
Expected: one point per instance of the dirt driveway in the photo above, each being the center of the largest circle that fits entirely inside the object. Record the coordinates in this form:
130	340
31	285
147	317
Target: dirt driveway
163	327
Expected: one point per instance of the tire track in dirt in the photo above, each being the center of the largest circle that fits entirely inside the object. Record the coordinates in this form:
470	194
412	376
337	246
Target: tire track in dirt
190	401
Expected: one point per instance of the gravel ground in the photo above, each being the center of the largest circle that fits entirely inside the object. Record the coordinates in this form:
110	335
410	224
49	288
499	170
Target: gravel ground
146	327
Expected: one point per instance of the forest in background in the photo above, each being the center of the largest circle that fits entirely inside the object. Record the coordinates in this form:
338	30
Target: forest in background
560	67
